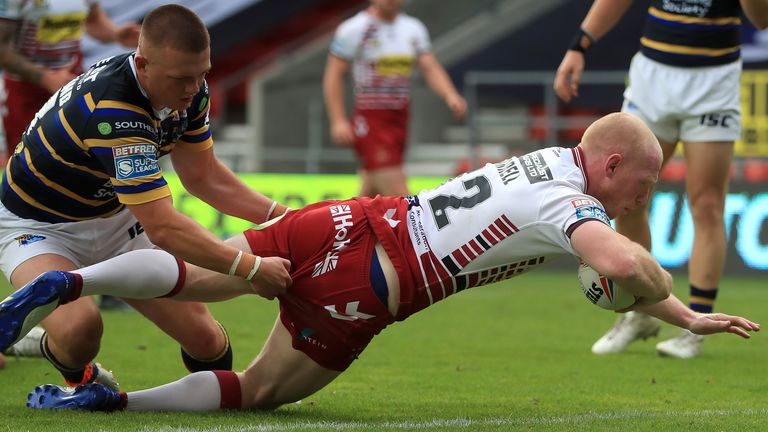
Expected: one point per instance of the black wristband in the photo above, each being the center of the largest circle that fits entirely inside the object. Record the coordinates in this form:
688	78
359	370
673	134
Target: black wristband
576	42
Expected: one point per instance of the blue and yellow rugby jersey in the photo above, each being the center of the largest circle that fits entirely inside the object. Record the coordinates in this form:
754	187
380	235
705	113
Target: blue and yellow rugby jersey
691	33
94	147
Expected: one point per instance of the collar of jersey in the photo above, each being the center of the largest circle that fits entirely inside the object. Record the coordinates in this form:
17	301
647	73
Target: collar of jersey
161	114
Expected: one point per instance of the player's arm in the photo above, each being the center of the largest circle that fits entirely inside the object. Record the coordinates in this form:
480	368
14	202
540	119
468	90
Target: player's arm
13	62
626	262
333	91
185	239
205	177
100	27
757	12
673	311
440	83
601	18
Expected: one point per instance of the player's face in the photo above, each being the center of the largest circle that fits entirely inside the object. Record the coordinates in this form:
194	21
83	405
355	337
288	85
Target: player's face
172	78
632	189
387	7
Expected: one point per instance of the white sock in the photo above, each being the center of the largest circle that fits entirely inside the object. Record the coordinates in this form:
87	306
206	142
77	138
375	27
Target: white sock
139	274
200	391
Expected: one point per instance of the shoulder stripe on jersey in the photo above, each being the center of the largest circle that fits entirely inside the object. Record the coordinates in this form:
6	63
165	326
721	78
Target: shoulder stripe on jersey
652	11
140	184
51	152
90	105
64	125
109	105
192	146
55	186
198	131
144	197
682	49
97	144
203	111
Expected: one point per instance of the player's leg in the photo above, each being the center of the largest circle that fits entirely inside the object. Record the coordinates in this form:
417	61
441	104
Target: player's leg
279	375
708	171
388	181
73	331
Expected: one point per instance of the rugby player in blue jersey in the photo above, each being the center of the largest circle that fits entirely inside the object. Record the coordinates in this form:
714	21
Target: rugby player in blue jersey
85	185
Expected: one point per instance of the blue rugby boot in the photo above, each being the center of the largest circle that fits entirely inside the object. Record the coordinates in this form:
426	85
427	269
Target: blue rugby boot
25	308
87	397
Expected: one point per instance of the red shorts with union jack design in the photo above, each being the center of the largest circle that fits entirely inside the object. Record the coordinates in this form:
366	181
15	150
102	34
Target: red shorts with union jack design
330	310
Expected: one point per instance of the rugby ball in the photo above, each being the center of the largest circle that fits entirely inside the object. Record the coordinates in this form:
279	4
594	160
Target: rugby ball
601	290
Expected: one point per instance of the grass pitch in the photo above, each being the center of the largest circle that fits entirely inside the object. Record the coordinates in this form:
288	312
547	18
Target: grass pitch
511	356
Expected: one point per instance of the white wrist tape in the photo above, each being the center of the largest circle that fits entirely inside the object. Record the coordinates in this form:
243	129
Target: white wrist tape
235	263
256	265
271	209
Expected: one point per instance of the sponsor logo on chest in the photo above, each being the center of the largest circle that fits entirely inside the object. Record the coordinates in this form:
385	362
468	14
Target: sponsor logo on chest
135	161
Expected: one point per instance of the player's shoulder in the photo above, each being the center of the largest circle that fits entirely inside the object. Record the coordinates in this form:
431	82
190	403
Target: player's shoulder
356	22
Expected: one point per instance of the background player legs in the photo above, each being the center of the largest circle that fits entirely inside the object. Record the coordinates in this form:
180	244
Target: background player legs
708	171
388	181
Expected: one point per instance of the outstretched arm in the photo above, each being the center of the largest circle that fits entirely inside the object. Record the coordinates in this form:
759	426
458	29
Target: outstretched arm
673	311
626	262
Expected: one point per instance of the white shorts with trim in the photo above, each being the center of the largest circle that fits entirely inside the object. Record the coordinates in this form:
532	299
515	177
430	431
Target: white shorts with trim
84	243
700	104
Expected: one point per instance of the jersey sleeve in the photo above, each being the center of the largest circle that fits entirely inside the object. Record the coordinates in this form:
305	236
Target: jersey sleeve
421	40
567	210
346	40
123	138
197	137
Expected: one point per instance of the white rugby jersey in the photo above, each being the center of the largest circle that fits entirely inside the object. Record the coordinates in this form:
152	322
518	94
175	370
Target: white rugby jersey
50	30
382	56
487	225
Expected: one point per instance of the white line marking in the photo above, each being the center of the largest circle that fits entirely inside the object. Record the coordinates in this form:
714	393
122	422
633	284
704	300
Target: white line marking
465	423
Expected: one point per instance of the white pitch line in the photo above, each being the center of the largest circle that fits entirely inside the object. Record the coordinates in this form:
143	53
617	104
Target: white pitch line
464	423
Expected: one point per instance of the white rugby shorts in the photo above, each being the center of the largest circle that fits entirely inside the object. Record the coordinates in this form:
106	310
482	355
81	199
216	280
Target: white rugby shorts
690	104
84	243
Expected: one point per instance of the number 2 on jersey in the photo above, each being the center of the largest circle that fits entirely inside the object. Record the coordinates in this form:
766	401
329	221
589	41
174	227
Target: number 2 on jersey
440	203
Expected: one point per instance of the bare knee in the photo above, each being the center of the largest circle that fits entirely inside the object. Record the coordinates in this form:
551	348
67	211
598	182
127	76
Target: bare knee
707	210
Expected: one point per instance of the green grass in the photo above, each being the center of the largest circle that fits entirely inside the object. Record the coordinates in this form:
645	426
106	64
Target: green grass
513	356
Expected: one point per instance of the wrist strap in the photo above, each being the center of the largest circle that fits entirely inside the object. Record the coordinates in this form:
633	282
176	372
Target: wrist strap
271	209
576	42
256	265
235	263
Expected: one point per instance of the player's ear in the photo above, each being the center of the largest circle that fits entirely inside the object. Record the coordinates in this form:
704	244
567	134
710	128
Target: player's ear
612	163
141	62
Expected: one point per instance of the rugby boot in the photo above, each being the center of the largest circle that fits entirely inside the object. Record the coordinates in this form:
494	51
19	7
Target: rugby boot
26	307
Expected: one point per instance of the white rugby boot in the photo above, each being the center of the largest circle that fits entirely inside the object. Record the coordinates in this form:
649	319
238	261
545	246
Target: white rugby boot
685	346
628	328
29	345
